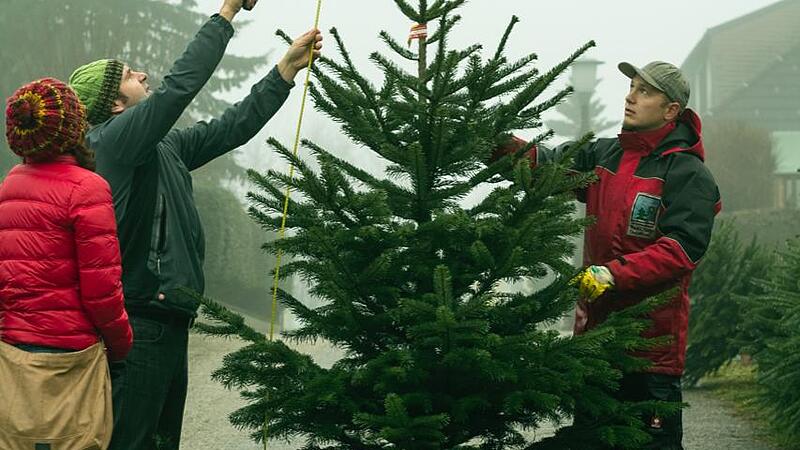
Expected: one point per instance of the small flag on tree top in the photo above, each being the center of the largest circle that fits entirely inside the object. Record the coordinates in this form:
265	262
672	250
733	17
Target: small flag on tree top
418	31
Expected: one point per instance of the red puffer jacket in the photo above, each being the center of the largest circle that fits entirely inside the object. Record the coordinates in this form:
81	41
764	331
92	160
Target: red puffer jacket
59	260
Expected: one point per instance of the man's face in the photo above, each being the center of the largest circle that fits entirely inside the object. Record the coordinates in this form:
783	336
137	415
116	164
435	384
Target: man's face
133	88
647	108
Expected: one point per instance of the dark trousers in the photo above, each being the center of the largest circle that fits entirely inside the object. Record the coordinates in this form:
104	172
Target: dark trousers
667	432
149	390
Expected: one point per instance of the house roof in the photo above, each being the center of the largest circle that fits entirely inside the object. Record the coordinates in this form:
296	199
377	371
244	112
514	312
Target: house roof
771	100
738	50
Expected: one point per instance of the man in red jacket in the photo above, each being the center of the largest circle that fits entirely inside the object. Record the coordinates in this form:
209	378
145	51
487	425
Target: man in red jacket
654	203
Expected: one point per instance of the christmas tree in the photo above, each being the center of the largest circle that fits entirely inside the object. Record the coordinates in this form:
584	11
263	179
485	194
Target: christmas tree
568	125
721	289
435	354
773	316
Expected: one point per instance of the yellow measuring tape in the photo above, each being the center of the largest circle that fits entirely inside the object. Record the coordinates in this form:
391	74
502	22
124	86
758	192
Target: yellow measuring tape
282	231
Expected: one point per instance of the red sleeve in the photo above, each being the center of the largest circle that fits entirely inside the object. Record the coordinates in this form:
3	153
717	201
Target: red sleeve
585	158
99	264
658	263
514	144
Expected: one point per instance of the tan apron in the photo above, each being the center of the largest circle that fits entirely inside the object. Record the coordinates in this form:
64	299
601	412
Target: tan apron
54	401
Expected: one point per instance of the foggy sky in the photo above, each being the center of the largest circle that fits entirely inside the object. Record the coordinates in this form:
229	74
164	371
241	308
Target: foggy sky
635	31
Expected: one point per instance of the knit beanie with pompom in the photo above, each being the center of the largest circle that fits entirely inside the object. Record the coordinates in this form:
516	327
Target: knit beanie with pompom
44	119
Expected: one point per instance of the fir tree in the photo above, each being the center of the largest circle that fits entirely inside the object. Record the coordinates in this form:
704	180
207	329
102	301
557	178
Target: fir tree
737	150
54	38
42	38
722	286
569	124
774	317
435	355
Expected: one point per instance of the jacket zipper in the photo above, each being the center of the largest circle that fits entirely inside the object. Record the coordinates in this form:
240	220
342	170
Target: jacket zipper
161	231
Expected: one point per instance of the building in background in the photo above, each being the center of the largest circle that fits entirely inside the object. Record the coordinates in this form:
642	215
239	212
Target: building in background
748	70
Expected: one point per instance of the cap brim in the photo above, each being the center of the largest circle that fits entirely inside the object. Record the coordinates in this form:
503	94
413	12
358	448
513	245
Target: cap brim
630	71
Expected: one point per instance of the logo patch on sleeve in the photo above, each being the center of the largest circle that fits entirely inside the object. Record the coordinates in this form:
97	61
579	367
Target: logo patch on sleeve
644	216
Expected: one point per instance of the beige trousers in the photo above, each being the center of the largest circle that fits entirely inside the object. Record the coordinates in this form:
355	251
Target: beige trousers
54	401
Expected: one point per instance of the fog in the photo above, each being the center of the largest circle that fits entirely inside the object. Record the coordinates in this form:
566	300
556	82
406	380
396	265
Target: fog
754	157
624	30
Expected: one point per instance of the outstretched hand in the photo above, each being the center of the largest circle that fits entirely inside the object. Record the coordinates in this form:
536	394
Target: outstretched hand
230	8
296	58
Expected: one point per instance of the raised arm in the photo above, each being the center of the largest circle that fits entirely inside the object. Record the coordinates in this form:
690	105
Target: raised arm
585	158
201	143
205	141
133	134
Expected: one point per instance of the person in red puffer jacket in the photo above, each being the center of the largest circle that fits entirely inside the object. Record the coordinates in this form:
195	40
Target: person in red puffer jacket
60	275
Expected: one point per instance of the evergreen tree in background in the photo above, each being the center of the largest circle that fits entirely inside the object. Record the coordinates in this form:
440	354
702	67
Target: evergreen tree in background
746	299
52	38
569	125
435	356
736	151
45	38
721	289
775	316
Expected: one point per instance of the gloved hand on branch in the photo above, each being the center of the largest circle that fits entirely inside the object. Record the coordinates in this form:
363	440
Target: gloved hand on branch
593	282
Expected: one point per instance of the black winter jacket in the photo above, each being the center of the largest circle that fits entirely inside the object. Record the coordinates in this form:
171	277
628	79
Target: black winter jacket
147	164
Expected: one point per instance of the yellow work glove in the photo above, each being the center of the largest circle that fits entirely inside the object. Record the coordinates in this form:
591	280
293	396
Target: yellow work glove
593	282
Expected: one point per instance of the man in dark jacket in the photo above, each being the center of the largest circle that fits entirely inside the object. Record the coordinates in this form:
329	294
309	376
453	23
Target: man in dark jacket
147	164
655	203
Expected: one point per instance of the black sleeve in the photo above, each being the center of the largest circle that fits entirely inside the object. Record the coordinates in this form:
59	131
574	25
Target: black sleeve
691	200
132	135
205	141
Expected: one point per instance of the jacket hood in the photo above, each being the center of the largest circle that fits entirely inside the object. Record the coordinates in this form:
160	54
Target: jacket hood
686	137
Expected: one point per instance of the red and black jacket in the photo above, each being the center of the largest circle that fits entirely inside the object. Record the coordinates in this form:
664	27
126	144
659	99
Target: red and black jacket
654	204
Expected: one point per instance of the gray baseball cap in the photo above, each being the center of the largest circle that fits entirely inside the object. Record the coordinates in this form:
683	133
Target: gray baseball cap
663	76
